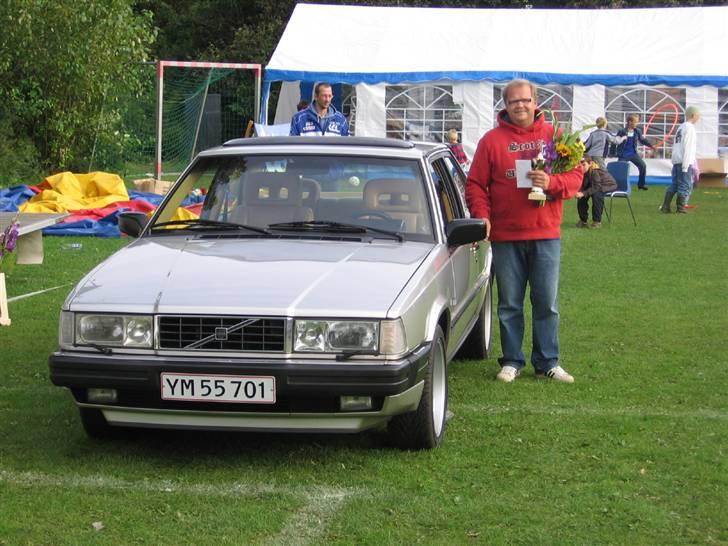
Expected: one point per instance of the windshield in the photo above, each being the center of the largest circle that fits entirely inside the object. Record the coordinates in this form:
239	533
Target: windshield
259	191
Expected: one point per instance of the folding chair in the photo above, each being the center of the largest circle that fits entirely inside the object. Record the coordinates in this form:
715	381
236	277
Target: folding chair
620	171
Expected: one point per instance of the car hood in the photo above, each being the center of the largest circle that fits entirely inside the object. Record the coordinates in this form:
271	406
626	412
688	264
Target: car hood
272	277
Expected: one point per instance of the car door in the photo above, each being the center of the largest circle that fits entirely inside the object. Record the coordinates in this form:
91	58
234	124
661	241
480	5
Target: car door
481	248
466	260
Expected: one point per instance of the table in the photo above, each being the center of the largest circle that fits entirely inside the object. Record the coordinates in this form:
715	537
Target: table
30	236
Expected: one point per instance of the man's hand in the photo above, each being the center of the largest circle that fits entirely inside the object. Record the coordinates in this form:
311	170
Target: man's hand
539	179
579	194
487	227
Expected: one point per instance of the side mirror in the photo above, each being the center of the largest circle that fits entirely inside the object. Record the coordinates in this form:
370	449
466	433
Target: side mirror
464	231
132	223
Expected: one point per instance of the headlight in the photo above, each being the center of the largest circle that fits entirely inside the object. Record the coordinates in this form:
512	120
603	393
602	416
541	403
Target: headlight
334	336
114	330
340	336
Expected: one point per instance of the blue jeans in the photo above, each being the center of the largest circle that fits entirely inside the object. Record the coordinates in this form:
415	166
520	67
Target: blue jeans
535	263
638	162
682	182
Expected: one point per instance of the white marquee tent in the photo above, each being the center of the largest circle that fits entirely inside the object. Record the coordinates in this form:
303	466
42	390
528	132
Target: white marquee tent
587	62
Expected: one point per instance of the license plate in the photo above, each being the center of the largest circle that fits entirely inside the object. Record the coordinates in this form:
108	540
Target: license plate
241	389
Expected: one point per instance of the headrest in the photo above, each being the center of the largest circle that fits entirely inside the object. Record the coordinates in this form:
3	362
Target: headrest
272	189
311	190
393	194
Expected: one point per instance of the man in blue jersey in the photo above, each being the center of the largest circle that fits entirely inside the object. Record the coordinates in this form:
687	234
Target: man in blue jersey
320	118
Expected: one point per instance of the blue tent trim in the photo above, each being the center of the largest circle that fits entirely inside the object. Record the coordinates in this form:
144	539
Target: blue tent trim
671	80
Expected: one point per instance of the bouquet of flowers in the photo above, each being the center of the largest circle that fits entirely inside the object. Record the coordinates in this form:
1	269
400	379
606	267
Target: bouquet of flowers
559	155
8	240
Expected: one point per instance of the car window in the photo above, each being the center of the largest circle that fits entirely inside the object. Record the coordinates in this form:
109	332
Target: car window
260	190
458	177
447	192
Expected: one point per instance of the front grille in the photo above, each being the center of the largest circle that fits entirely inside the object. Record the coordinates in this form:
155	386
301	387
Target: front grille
221	333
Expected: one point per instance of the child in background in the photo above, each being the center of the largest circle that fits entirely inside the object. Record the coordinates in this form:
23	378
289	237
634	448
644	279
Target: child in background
456	147
598	141
695	171
596	183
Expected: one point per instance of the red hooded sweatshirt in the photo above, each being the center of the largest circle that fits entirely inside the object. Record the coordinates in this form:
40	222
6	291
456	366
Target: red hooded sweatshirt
491	190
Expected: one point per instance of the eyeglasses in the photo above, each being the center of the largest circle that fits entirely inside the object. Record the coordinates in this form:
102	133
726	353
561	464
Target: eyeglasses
523	102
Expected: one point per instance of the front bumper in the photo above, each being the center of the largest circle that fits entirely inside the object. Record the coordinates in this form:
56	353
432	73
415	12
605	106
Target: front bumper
307	391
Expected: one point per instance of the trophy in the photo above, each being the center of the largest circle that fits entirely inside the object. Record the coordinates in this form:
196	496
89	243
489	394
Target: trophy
536	194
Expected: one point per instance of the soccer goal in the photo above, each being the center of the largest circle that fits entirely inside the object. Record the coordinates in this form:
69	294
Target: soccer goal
201	105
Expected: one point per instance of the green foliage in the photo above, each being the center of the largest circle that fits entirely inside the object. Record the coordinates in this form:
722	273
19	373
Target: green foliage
67	68
18	155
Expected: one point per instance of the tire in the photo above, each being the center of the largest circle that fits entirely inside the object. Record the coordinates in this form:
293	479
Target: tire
477	345
95	424
424	428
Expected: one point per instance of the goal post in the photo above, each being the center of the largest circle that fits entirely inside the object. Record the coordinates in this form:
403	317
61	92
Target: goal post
182	115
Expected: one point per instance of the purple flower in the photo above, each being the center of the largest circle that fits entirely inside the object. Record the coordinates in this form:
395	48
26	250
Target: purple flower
549	152
11	237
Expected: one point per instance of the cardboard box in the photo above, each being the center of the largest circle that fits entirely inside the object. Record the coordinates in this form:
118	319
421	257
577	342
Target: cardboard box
713	166
152	185
712	181
713	172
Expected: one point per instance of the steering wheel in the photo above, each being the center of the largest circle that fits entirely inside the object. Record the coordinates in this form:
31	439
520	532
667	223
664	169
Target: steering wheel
372	214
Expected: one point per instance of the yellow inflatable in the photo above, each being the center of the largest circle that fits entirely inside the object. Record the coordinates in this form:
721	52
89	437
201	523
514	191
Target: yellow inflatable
67	191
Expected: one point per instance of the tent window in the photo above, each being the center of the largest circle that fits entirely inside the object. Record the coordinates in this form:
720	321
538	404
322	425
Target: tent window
421	112
723	122
661	111
556	100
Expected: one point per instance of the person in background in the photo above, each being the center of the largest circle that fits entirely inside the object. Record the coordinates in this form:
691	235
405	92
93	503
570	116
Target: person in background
302	105
596	183
627	150
684	151
598	141
695	171
320	117
525	238
456	147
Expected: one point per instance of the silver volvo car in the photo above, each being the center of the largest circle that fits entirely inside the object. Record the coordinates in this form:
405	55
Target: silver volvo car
286	284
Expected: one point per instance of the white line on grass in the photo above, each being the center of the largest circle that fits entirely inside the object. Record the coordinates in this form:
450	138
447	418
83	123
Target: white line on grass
597	411
308	524
305	526
30	294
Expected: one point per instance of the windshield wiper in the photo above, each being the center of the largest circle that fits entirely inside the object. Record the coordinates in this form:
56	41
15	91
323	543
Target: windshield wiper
100	348
346	355
201	223
323	225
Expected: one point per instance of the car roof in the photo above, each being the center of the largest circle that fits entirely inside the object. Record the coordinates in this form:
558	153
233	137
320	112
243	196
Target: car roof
315	144
368	142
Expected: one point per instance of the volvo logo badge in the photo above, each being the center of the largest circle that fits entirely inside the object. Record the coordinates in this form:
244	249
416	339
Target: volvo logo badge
221	334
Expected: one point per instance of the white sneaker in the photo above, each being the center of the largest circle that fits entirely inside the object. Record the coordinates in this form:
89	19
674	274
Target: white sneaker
508	374
557	374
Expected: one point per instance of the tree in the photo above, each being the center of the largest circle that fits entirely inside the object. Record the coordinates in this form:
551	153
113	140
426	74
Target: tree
67	70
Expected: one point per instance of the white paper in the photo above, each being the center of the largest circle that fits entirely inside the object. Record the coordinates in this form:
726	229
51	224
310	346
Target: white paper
522	168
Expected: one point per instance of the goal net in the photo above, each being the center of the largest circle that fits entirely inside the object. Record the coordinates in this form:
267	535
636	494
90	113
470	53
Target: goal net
201	105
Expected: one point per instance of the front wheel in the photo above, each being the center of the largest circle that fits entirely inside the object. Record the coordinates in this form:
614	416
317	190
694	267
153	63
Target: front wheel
95	424
477	345
424	428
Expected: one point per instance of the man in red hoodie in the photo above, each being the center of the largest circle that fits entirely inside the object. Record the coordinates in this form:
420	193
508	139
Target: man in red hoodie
525	237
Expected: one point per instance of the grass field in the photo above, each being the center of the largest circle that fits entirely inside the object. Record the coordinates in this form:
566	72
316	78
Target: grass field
633	453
